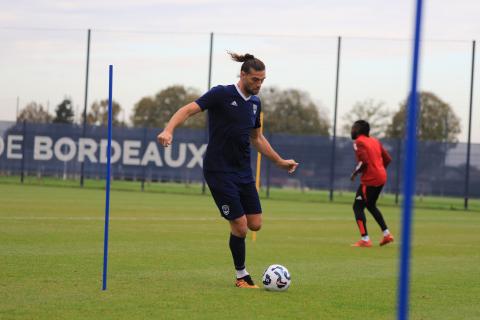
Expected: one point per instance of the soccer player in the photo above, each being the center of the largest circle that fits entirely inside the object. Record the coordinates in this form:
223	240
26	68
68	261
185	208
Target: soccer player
372	160
234	124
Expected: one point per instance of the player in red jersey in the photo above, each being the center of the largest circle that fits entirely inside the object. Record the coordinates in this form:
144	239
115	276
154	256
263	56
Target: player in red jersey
372	161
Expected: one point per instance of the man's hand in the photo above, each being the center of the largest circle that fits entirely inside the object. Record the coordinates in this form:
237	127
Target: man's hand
165	138
353	176
289	165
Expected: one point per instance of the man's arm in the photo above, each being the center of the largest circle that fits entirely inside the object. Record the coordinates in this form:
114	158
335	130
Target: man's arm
263	146
359	168
386	157
362	157
166	136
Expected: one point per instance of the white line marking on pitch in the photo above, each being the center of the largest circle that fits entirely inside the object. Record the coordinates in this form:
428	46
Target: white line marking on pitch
160	219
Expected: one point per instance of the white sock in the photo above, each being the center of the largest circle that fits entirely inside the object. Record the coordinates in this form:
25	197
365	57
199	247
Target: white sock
242	273
386	232
365	238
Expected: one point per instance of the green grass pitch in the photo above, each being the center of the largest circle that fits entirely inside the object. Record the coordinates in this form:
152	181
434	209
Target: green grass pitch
169	259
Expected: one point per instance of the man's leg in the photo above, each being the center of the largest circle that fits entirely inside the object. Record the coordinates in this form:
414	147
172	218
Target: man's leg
251	220
238	228
371	204
251	204
372	194
359	210
226	195
254	221
238	233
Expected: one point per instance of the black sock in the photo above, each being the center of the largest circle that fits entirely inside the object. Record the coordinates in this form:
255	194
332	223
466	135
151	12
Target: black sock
237	246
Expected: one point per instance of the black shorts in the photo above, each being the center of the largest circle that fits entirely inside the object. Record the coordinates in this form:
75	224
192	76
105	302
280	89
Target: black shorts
368	194
234	195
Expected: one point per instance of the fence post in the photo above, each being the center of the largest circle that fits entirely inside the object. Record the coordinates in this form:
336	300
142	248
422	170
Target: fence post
209	86
270	139
467	169
397	169
82	165
332	160
22	168
18	108
144	147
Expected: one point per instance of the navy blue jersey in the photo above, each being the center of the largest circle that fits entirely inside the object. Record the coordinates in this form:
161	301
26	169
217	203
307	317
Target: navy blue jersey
231	117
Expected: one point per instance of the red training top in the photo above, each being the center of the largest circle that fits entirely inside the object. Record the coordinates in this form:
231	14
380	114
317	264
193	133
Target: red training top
374	158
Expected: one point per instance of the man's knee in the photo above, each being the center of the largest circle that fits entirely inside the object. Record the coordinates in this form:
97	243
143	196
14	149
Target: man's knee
255	226
254	222
357	206
240	232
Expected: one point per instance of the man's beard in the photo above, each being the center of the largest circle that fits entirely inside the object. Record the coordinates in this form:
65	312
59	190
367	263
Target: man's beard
251	92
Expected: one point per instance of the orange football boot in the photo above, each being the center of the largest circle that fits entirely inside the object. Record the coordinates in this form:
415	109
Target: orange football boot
386	239
245	282
363	243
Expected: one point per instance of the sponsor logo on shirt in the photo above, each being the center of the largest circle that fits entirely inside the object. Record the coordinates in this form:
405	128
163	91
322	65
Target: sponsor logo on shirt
255	109
234	103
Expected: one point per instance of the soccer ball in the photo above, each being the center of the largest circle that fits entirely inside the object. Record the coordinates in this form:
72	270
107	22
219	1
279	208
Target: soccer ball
276	278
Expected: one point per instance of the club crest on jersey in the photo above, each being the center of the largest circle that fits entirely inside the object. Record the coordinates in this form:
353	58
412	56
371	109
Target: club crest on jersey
254	109
225	209
234	103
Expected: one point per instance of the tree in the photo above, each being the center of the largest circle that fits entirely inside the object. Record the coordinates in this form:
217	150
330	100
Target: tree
437	121
292	111
64	112
371	111
98	114
34	113
156	111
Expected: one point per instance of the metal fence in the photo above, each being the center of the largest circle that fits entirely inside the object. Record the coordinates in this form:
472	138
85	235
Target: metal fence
59	150
45	65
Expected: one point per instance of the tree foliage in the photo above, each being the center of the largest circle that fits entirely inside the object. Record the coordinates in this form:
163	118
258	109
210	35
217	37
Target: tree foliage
437	121
292	111
369	110
64	112
157	110
34	113
286	111
98	114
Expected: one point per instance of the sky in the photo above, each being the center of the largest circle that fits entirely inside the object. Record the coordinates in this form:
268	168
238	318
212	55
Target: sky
154	44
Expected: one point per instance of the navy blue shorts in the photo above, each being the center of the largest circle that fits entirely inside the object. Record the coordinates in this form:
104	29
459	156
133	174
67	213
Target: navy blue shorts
233	194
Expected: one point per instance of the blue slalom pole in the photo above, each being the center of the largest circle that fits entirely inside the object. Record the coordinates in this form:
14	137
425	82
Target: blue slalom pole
409	170
107	187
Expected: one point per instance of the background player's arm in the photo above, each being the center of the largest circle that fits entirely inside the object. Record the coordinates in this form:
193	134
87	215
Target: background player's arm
362	157
263	146
386	157
359	168
166	136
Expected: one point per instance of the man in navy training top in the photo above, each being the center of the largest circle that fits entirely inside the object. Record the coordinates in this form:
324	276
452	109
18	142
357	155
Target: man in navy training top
234	123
